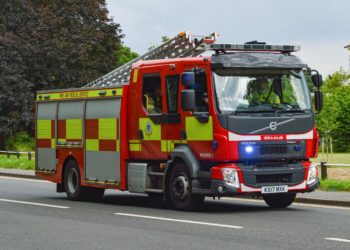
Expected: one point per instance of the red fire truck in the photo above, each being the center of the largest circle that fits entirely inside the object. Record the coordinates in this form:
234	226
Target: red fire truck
173	123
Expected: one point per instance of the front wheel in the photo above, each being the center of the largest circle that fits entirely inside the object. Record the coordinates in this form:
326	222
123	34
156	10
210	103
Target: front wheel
180	189
279	200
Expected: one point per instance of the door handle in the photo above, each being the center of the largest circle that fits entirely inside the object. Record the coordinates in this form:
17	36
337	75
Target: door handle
183	134
140	134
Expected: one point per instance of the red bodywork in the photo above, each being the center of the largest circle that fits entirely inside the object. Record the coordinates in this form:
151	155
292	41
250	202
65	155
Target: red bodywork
132	109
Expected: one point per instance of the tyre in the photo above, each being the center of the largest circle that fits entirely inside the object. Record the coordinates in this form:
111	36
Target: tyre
279	200
73	187
180	190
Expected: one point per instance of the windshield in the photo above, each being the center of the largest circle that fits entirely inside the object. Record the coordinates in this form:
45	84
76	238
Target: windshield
283	92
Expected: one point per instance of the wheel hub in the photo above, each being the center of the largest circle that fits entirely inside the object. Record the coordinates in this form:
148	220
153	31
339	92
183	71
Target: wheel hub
180	187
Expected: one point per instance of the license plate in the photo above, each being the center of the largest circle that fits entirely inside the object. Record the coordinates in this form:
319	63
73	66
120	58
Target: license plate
274	189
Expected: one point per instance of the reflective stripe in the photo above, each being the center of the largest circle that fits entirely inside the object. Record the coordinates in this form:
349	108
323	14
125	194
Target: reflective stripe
74	129
53	143
164	146
92	144
44	129
135	147
197	131
107	128
134	79
308	135
151	131
237	137
79	94
169	145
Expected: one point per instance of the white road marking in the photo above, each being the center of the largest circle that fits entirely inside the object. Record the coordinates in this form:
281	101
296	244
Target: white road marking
33	203
22	179
338	239
294	204
178	220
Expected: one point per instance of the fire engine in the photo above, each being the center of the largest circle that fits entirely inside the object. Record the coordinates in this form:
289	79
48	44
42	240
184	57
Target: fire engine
187	120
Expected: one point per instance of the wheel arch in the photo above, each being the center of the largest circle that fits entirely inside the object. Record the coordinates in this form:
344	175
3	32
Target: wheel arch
64	166
183	154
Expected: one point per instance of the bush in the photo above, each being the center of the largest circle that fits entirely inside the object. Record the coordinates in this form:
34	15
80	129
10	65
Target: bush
21	141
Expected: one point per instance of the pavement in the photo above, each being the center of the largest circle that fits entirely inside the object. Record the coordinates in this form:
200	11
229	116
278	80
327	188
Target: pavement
34	216
317	197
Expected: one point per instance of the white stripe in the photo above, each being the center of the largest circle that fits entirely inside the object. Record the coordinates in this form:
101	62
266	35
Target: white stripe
23	179
236	137
338	239
33	203
178	220
294	204
308	135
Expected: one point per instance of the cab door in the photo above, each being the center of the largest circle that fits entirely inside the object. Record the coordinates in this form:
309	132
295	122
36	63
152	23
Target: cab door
147	104
197	125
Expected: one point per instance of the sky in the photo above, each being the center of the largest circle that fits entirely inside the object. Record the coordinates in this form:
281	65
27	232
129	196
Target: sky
320	27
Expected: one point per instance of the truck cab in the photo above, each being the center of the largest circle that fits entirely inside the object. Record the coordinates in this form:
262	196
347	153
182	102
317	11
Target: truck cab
240	122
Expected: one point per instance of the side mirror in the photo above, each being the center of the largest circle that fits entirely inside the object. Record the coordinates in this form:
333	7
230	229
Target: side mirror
317	80
188	100
318	100
188	79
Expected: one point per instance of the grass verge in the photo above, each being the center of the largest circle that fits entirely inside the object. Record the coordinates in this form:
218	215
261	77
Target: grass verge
335	185
12	162
337	158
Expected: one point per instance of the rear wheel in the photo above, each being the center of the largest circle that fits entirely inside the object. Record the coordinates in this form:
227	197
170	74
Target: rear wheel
73	187
279	200
180	190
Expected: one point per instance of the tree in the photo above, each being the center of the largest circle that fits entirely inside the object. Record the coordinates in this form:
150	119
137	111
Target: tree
335	115
336	80
50	44
125	54
164	40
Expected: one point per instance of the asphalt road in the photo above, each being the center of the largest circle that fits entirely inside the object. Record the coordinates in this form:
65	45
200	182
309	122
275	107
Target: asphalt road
34	216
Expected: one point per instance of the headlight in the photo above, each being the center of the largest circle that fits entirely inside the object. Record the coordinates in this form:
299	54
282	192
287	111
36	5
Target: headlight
230	176
312	175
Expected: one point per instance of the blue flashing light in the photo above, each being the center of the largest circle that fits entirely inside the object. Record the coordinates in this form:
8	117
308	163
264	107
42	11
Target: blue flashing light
248	149
297	147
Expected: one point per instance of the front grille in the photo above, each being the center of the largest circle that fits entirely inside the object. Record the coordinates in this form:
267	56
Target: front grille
270	165
276	178
273	149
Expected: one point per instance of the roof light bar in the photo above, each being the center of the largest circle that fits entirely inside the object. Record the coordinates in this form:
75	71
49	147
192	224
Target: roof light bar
254	47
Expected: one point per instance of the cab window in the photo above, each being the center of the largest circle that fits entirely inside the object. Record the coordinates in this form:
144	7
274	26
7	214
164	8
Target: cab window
201	90
152	93
172	88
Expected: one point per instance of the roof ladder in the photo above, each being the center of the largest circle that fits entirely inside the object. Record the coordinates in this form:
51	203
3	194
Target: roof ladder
182	45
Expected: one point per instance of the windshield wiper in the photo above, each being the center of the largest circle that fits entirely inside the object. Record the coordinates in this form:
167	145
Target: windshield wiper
251	112
291	111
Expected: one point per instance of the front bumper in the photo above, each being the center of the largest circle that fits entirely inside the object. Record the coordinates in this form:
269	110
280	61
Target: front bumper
221	189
